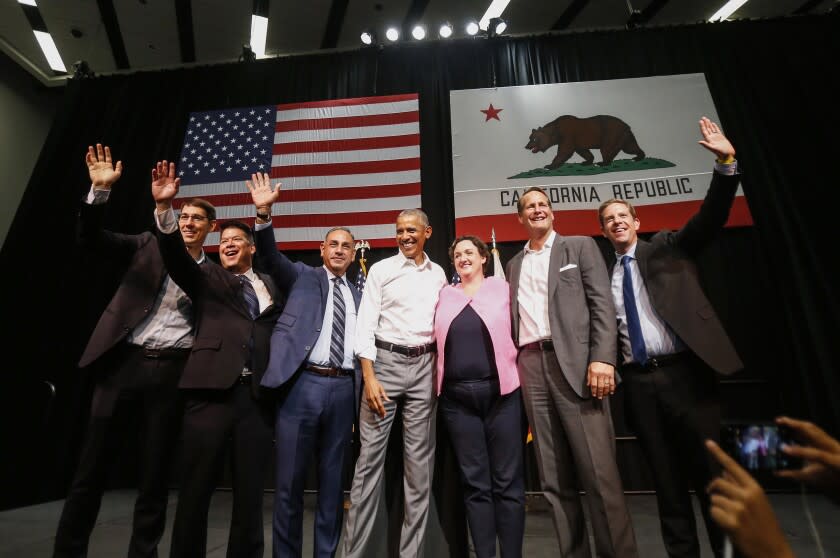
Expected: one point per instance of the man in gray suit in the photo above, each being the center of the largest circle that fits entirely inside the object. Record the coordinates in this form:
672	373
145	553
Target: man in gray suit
564	324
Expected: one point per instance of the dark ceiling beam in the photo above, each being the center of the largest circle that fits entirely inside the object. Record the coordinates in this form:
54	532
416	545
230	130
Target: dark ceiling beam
112	29
651	10
186	36
807	7
569	15
413	16
335	21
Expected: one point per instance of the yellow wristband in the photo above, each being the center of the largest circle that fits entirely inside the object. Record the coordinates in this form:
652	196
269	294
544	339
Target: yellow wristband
728	161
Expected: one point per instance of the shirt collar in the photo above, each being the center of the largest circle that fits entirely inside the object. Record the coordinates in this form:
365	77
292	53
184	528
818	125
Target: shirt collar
201	258
547	245
249	274
331	275
404	261
631	252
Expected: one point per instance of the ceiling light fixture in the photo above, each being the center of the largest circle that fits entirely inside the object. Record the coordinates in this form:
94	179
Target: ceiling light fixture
367	37
259	32
445	31
392	34
47	44
28	2
419	32
495	9
496	26
727	10
472	28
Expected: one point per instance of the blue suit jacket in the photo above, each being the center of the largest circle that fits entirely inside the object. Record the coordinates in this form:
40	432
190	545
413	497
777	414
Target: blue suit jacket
298	327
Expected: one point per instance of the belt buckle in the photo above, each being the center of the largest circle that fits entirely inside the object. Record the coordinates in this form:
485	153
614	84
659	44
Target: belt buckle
151	353
414	351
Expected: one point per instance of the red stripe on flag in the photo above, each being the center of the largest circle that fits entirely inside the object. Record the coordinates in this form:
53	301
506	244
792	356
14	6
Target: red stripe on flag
317	194
349	102
316	244
333	169
346	145
348	121
585	221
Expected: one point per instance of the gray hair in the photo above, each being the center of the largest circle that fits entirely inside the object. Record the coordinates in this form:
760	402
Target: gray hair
419	213
345	229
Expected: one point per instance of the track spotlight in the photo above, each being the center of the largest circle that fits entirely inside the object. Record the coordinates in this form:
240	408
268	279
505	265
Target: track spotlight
496	26
368	37
81	70
392	34
445	31
472	27
419	32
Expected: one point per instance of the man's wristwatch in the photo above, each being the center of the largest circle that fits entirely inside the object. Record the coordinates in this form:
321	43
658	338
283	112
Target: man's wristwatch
264	216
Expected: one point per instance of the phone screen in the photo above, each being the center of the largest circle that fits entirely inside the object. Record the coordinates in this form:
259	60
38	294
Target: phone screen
757	446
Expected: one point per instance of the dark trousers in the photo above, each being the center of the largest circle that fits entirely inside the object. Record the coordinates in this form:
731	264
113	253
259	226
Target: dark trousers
487	436
212	420
314	419
135	389
673	409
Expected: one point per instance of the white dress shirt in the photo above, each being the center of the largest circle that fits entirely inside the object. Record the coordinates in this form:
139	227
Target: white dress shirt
532	295
320	354
263	296
398	304
660	339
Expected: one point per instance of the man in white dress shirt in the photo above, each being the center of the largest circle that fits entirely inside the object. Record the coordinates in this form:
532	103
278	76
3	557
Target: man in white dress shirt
395	345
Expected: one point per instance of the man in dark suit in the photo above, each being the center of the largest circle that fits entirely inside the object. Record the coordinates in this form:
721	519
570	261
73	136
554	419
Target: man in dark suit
136	353
564	324
235	311
312	362
672	343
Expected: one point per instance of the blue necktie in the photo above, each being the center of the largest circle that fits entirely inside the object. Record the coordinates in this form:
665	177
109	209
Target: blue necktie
250	296
339	316
631	311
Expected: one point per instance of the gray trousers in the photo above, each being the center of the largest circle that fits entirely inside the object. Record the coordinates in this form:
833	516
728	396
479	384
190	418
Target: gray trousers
408	381
574	441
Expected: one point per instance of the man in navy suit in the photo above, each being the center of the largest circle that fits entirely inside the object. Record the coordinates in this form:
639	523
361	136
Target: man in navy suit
312	361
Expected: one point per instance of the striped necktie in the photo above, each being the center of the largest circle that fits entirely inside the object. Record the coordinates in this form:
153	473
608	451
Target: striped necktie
339	317
250	297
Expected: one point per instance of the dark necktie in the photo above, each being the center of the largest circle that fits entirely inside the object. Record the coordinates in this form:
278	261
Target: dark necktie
634	326
339	316
250	296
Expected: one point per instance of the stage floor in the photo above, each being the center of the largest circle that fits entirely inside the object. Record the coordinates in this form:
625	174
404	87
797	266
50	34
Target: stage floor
28	532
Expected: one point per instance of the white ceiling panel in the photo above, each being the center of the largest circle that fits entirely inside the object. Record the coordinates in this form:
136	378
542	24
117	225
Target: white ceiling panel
150	33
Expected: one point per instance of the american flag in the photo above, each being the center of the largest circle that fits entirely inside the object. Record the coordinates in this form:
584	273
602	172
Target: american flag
348	162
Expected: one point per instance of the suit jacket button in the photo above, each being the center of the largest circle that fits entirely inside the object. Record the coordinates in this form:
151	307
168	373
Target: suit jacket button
307	348
317	329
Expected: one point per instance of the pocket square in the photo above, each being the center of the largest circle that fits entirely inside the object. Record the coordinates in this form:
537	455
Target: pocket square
567	267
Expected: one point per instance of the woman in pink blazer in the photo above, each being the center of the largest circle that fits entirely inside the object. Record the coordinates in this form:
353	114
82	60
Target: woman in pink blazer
480	401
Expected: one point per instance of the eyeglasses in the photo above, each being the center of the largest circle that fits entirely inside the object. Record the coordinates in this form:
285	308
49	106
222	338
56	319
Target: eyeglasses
184	217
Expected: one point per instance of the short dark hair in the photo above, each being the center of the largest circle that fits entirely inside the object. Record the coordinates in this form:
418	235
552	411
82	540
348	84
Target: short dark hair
202	204
520	203
608	203
238	225
345	229
483	251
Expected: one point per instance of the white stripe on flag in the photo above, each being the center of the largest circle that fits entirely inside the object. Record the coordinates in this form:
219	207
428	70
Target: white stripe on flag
304	183
347	133
321	207
293	234
360	155
346	110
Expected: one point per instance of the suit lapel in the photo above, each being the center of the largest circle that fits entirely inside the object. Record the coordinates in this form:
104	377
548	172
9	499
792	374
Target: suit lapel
558	259
272	290
643	250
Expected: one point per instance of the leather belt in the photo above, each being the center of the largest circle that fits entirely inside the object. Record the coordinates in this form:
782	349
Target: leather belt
541	345
162	354
328	371
654	363
407	351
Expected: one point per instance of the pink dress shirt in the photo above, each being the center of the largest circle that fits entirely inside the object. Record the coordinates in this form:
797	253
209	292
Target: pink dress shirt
492	304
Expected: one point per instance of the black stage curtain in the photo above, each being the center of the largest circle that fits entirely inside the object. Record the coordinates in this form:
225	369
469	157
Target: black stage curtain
770	81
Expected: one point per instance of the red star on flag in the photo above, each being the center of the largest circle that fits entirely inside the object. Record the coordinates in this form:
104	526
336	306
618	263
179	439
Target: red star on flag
491	113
